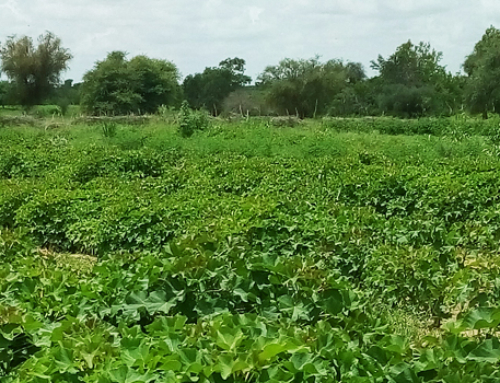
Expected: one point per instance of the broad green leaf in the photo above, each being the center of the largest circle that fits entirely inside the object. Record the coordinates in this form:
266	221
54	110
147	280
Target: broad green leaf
487	351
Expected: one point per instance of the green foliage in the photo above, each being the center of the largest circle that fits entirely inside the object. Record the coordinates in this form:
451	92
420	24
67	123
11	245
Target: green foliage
209	89
330	252
482	89
66	95
306	88
45	111
5	93
412	82
109	129
190	121
117	86
248	101
410	65
34	71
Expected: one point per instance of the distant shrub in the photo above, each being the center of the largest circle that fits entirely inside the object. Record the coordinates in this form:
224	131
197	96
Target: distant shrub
43	111
122	120
167	113
63	105
285	122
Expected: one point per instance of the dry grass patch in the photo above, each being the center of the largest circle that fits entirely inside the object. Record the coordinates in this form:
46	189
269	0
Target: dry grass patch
75	262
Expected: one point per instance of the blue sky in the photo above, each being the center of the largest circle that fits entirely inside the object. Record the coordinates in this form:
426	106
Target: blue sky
199	33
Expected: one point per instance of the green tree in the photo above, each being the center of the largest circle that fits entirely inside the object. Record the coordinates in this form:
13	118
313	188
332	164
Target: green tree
351	101
410	65
210	88
482	66
117	86
34	70
4	93
65	95
412	81
308	87
246	101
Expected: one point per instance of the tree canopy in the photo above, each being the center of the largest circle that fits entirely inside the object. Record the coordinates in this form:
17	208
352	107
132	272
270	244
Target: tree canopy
482	66
412	81
34	70
308	87
117	86
210	88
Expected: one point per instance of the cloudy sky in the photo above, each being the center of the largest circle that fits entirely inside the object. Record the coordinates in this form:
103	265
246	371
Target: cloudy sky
199	33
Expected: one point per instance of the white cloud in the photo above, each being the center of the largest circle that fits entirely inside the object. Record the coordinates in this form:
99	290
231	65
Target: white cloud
199	33
254	14
11	8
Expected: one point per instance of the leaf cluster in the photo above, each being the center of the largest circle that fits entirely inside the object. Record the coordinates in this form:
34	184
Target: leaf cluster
117	86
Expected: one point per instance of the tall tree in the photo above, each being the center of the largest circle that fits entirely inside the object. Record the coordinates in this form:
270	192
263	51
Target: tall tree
410	65
117	86
482	66
34	70
412	81
210	88
308	87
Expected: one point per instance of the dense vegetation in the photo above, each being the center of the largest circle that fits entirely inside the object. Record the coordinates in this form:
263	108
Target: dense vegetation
337	251
120	86
410	83
144	239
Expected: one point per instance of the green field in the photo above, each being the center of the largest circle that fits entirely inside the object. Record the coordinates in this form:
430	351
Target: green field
341	250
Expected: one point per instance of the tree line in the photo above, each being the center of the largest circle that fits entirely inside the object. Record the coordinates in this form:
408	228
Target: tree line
411	82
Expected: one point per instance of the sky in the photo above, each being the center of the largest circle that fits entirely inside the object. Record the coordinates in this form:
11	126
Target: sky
195	34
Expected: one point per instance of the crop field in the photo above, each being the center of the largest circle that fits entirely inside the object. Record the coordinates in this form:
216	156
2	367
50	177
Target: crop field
362	251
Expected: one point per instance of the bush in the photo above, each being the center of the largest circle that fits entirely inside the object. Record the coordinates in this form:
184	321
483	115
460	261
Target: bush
191	121
109	129
63	105
285	122
43	111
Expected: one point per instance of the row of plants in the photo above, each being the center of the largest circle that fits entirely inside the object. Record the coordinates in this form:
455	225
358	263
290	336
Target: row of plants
189	121
180	262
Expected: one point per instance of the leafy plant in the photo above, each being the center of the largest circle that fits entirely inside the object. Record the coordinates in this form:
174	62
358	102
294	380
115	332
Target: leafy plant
191	121
339	251
109	129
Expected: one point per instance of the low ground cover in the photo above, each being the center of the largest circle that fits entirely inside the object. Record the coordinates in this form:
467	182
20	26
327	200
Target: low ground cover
326	252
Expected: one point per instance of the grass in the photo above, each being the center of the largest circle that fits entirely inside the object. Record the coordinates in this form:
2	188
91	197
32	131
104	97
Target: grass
40	111
10	111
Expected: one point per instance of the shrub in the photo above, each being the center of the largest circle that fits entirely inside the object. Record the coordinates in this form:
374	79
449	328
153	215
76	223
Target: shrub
44	111
191	121
109	129
285	122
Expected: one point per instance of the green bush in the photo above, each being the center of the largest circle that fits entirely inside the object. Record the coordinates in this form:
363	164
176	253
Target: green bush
44	111
191	121
109	129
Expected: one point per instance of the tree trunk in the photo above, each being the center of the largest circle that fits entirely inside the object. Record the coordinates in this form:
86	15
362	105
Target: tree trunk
485	114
